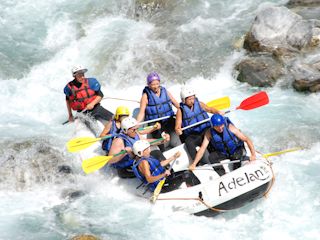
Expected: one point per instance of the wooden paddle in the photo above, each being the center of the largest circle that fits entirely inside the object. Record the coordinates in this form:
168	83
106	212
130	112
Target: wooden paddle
95	163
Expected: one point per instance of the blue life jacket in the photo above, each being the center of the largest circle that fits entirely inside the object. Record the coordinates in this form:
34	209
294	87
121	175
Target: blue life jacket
155	170
126	161
193	116
114	130
158	106
226	142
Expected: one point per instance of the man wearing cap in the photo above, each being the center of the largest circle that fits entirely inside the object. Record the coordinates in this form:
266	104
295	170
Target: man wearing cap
84	95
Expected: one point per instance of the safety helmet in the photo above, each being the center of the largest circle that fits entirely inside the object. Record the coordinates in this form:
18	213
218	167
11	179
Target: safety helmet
127	123
121	110
216	120
186	92
152	76
78	69
139	146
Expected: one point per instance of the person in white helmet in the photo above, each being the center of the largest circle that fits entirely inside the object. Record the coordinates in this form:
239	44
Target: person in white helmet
84	95
151	170
124	141
192	111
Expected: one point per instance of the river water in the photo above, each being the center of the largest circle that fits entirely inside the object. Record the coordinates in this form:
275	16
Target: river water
187	42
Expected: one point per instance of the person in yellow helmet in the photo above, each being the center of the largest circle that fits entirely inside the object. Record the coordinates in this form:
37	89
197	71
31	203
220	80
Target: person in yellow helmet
113	127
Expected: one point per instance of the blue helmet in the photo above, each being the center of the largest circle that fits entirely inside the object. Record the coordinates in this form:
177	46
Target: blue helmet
216	120
152	76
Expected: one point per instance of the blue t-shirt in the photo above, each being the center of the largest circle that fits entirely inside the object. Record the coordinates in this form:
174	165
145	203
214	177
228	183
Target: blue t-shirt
93	84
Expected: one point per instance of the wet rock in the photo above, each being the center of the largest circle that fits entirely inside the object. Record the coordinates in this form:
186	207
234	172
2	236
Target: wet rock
64	169
307	12
146	8
305	85
85	237
260	70
295	3
306	77
72	194
278	27
29	162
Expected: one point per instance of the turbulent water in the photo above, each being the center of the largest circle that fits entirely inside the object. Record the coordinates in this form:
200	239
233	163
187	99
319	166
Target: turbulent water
186	42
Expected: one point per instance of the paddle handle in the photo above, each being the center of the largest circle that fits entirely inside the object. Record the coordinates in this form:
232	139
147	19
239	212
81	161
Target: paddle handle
154	120
195	124
106	137
220	164
119	153
65	122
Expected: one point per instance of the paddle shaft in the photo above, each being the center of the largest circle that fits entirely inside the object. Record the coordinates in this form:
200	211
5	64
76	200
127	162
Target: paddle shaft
158	189
220	164
154	120
280	152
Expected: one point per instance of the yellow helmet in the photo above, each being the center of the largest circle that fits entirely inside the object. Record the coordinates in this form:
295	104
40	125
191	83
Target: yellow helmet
122	110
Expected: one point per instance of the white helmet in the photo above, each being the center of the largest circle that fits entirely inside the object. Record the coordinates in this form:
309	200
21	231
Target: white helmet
186	92
139	146
127	123
78	69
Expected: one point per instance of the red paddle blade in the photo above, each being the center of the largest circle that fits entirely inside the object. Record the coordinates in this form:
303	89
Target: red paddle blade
255	101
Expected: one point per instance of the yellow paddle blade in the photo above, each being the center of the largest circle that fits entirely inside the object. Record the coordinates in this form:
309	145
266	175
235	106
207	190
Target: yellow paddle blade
93	164
78	144
157	191
220	103
281	152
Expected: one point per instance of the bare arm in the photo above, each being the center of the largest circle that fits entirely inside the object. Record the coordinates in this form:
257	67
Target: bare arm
173	100
245	139
202	149
94	102
150	129
178	122
169	160
116	147
70	116
165	136
144	168
143	105
106	129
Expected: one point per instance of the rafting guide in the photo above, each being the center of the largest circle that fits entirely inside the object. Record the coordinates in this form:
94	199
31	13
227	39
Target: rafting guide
84	95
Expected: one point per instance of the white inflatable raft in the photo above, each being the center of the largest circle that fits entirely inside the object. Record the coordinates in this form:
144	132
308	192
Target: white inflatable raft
213	193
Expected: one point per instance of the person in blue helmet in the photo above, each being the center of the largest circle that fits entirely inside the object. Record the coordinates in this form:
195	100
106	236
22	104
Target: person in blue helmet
156	102
225	141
